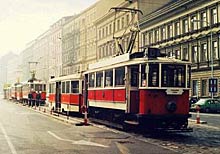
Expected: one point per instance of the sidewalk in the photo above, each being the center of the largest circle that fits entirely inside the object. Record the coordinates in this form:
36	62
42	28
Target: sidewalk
48	112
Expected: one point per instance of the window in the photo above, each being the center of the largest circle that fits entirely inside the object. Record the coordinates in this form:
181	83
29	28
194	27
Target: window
194	23
153	77
134	76
195	88
50	88
215	49
68	87
119	76
150	37
203	17
185	54
74	86
103	32
145	39
170	53
204	87
177	28
63	87
163	33
194	54
170	31
127	19
99	79
91	80
185	26
177	54
106	31
203	52
143	76
156	36
118	25
213	16
110	28
108	78
122	22
173	75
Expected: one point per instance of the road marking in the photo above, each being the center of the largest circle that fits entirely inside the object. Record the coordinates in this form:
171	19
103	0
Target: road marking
13	151
80	142
122	149
206	114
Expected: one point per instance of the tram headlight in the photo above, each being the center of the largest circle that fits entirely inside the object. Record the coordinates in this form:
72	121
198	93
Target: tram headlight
171	106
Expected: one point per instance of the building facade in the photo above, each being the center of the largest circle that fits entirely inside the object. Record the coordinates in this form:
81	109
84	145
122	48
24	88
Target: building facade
115	28
79	41
55	47
4	78
188	30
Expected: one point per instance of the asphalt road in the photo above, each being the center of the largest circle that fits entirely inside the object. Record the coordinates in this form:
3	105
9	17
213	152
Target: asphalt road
25	131
212	119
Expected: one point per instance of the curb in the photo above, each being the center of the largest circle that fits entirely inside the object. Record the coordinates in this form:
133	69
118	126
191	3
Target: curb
62	118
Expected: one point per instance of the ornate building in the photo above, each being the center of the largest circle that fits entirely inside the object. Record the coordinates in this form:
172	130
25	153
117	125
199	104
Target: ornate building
188	30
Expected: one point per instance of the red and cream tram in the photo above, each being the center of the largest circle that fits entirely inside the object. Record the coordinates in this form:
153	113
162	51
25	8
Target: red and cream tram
65	93
19	93
34	90
143	89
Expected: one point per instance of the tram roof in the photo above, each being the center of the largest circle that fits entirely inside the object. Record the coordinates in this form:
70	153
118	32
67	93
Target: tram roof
34	82
127	59
67	77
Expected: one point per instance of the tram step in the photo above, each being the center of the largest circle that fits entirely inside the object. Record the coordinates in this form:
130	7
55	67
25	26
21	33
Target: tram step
131	122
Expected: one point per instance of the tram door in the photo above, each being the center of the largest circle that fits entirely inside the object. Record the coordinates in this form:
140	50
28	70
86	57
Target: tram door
132	90
58	96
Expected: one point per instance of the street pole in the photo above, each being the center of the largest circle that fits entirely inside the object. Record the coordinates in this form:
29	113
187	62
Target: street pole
212	57
211	51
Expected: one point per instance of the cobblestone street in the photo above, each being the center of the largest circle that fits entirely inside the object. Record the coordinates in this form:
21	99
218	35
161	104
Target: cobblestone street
204	139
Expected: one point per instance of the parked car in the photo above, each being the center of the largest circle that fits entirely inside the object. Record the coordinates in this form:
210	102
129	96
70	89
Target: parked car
207	105
192	100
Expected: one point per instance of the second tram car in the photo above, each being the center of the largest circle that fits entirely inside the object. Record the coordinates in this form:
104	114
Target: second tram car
143	89
65	93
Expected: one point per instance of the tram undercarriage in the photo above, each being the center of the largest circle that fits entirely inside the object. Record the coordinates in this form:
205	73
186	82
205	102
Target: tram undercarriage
119	119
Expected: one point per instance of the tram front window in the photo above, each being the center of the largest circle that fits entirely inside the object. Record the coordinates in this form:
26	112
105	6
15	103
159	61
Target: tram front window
173	75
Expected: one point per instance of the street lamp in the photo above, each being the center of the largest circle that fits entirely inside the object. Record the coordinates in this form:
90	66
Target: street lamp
211	51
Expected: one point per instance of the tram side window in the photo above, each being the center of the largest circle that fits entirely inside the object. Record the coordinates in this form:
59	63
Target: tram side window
108	78
91	80
99	79
173	75
119	76
134	76
153	77
74	86
68	87
63	87
51	88
143	75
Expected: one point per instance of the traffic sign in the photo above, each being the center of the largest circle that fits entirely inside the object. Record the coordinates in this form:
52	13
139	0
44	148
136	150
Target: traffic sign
213	85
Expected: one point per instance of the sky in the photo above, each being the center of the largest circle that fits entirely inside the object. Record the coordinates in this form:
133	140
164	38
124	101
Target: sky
21	21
